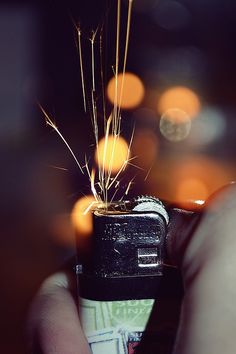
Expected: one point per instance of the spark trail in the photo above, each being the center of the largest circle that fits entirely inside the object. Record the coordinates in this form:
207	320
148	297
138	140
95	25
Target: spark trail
102	178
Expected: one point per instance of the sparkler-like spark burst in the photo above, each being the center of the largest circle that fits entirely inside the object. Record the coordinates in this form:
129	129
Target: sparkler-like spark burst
112	124
103	183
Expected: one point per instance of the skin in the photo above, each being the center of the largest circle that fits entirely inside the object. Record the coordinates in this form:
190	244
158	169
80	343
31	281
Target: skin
208	316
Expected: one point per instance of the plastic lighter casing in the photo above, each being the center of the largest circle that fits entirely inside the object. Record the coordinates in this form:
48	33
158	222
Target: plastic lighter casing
129	300
126	256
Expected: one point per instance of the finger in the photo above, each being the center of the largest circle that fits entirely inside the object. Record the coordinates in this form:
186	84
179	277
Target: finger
208	317
54	323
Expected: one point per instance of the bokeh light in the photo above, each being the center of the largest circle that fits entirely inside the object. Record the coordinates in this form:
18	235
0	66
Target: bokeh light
198	177
62	230
145	148
81	216
171	15
175	125
112	154
191	189
133	90
169	65
179	97
181	178
209	126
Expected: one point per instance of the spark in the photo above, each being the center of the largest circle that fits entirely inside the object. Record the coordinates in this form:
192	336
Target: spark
89	207
111	160
105	144
53	125
117	184
116	136
114	195
126	51
108	186
136	166
94	117
126	162
58	168
102	80
87	168
99	185
102	180
117	63
130	185
81	67
92	39
149	171
113	124
93	189
104	157
95	130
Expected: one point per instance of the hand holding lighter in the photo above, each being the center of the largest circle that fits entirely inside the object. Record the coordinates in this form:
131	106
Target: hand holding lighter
129	300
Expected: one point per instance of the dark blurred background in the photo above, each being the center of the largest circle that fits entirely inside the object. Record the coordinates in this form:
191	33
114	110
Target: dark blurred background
174	44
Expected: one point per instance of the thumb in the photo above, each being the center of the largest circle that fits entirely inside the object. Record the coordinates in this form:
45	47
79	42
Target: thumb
208	265
54	326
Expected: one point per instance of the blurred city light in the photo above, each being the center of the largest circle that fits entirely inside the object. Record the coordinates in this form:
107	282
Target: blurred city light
198	177
179	97
172	65
183	178
131	95
209	126
191	189
111	154
81	216
175	125
171	15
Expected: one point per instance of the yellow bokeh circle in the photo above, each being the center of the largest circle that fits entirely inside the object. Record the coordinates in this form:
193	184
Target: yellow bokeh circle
128	94
112	153
81	216
179	97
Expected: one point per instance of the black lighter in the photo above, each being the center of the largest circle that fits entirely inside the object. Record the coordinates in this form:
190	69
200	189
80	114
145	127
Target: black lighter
129	297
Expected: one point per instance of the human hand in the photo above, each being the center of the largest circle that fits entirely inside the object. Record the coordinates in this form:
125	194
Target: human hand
208	316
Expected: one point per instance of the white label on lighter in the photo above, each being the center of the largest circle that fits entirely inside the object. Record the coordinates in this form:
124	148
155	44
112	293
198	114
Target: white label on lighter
114	327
